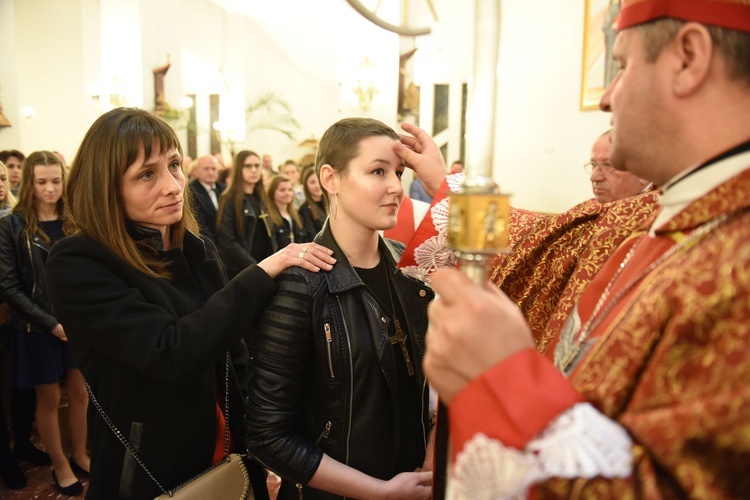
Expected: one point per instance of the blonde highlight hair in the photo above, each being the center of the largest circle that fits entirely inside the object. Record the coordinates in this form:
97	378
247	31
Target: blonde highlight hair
94	192
26	204
9	201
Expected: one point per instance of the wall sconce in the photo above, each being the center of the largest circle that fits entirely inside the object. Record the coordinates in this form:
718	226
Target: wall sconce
365	88
28	112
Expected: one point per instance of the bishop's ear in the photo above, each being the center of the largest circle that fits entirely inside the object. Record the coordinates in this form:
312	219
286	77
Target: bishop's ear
694	50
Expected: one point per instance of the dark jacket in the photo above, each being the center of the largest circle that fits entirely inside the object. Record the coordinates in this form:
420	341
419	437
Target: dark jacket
323	374
153	352
204	208
284	235
311	225
22	283
235	248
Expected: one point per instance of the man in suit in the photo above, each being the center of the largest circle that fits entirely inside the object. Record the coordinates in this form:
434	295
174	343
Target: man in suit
206	192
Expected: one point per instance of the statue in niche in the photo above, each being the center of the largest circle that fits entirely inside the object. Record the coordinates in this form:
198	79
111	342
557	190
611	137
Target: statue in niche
408	95
161	106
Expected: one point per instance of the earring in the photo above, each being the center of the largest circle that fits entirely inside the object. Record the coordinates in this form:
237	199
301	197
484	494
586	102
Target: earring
334	212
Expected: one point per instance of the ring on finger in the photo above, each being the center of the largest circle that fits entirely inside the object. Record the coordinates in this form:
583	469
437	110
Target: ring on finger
303	252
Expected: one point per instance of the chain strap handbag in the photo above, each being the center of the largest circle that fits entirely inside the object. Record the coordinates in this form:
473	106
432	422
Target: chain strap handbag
227	479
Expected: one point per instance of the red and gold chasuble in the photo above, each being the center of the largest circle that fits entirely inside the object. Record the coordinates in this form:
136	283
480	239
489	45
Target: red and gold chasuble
669	364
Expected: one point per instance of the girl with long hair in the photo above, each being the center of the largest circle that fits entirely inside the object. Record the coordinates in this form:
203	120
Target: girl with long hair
287	225
313	210
150	317
243	229
40	354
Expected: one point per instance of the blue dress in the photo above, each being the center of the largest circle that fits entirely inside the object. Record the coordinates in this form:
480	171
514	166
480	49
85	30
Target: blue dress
39	357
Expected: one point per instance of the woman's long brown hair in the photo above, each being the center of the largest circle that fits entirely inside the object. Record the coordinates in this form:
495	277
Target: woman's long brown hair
236	191
27	205
94	192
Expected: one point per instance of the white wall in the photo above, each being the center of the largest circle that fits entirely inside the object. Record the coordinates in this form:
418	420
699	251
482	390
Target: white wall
542	138
301	50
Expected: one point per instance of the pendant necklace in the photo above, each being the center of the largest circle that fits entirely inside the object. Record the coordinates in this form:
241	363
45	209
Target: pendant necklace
400	336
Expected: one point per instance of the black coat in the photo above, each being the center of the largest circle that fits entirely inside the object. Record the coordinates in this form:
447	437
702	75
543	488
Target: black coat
22	283
153	352
323	338
204	208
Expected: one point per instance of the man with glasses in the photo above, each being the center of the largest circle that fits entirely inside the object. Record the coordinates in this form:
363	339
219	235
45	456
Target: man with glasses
608	182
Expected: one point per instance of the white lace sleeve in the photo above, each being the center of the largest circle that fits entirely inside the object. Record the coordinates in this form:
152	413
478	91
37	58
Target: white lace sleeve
581	442
433	253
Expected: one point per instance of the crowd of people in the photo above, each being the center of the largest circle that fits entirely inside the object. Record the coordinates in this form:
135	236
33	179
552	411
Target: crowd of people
268	315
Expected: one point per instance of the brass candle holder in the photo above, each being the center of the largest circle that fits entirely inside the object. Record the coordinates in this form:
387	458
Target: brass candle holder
478	226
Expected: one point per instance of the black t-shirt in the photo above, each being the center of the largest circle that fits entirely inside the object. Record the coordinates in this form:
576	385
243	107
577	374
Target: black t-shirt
409	397
53	229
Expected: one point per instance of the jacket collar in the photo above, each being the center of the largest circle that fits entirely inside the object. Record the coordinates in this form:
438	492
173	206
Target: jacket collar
146	237
343	277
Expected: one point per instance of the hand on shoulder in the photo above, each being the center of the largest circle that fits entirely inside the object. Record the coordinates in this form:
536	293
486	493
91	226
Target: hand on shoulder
310	256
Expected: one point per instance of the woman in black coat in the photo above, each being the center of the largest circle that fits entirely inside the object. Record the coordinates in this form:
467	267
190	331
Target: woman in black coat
147	312
244	231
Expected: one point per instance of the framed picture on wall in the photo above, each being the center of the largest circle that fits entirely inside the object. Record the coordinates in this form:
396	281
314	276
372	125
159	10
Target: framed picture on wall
598	68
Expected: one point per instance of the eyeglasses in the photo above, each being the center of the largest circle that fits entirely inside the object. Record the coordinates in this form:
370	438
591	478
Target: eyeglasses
251	165
605	166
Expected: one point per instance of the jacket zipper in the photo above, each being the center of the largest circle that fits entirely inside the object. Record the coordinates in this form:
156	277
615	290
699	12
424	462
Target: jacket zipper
424	379
323	435
329	340
351	383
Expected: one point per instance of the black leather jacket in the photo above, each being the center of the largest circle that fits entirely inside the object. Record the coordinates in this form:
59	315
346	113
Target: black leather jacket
234	249
324	377
22	283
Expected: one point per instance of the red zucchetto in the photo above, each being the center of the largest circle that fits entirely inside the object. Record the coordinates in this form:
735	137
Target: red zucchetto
730	14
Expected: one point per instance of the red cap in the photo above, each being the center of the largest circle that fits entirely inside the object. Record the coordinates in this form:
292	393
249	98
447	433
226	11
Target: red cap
730	14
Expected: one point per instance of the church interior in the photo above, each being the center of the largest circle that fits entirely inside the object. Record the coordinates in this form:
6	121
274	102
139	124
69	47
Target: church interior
272	76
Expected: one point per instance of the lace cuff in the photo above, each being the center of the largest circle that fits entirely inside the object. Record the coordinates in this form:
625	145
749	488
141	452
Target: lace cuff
581	442
433	254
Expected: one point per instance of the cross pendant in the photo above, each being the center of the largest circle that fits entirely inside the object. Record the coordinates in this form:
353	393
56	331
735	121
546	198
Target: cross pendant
400	338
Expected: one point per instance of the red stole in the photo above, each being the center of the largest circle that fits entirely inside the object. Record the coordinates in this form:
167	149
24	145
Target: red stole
648	249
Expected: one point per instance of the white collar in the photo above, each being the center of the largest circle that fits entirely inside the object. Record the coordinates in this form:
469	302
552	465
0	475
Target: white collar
678	195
